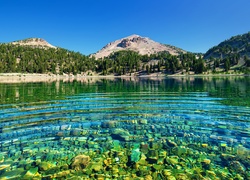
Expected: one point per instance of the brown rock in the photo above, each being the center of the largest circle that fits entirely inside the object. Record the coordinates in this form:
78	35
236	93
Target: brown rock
80	162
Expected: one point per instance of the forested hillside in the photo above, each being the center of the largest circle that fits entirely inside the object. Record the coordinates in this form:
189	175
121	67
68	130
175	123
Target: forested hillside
233	53
37	56
235	46
26	59
123	62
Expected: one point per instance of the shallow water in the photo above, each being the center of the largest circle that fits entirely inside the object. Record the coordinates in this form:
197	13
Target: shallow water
185	128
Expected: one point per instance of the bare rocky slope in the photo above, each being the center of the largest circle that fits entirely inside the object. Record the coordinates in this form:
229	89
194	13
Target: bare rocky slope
34	42
142	45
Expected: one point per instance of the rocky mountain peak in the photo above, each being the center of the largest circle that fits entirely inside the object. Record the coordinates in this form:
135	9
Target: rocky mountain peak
34	42
142	45
126	42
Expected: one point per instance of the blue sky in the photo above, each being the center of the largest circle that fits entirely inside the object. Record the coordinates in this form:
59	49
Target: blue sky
88	25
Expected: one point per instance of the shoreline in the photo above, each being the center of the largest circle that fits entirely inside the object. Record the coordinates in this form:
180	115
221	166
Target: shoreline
33	77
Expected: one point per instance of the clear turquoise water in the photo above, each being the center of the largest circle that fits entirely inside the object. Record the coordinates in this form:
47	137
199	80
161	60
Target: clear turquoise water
130	129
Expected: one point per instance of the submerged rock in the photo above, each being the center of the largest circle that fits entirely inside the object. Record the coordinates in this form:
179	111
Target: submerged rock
116	145
109	124
136	154
31	173
97	167
143	121
4	166
143	159
80	162
158	167
169	144
44	166
144	148
167	172
143	171
179	150
237	167
14	174
206	161
1	158
163	154
107	161
204	145
174	160
120	134
182	176
152	160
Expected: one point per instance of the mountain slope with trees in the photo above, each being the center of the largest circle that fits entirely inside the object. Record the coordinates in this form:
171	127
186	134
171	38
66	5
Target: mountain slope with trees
35	55
231	54
237	45
30	59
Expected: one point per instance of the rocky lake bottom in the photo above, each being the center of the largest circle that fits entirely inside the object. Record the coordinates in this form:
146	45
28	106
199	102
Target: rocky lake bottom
145	129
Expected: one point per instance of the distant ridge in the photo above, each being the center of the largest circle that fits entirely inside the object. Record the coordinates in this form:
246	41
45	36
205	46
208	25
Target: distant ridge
239	44
142	45
33	42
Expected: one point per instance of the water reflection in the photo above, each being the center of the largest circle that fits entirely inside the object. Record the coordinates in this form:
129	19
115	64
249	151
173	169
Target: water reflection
226	87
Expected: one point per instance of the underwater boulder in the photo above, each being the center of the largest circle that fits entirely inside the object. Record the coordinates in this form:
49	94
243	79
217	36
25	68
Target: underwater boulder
13	174
31	173
109	124
97	167
179	151
80	162
144	148
169	144
107	162
143	121
4	166
120	134
236	166
44	166
206	163
135	155
75	132
173	160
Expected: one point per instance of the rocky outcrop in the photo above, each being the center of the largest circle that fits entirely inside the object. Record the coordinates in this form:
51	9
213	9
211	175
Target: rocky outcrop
124	43
128	42
34	42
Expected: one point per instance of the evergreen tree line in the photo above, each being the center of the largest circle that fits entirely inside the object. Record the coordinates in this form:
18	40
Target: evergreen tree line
25	59
229	61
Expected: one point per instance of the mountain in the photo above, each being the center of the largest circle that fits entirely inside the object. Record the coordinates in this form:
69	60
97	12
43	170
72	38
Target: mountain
237	45
126	57
34	42
142	45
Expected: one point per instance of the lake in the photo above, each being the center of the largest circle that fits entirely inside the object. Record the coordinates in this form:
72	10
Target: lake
133	128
